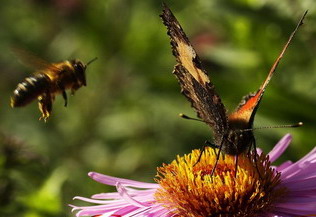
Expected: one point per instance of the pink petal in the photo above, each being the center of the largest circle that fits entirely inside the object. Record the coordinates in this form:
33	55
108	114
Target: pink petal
280	147
110	180
123	192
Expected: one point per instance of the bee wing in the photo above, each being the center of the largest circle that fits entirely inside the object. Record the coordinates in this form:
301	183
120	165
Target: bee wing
249	105
194	81
32	60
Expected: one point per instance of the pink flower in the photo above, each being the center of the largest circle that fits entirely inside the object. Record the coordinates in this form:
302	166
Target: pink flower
291	189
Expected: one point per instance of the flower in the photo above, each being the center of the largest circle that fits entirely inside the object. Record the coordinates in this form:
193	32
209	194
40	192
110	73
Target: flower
186	189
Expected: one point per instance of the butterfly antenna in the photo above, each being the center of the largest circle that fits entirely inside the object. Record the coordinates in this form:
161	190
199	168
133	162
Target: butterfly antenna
91	61
189	118
299	124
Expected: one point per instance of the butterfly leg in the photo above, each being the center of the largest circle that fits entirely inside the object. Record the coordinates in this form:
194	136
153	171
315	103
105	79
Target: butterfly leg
206	143
217	156
199	158
255	158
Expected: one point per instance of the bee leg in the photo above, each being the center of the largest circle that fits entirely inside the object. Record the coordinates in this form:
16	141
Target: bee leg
65	98
73	90
62	88
45	105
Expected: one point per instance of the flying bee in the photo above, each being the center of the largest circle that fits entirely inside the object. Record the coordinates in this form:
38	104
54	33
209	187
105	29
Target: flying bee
49	80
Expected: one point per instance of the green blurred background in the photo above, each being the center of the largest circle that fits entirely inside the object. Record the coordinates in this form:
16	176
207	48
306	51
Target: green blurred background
125	122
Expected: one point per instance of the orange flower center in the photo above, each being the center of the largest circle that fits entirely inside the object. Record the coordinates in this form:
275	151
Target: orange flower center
189	189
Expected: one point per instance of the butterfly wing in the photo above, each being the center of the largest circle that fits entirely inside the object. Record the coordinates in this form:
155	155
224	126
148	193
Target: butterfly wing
193	79
246	110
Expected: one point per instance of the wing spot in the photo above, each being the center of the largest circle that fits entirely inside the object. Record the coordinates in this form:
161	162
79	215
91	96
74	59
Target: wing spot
188	59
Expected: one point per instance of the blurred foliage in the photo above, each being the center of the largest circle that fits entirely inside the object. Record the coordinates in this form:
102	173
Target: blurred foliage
125	122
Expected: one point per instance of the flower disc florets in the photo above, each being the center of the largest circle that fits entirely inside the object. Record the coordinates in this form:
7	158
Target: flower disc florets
189	189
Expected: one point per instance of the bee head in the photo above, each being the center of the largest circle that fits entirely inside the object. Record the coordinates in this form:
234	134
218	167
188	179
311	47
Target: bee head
80	69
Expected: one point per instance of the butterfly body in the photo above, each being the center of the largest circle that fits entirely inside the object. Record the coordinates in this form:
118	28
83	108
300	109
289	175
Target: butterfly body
236	140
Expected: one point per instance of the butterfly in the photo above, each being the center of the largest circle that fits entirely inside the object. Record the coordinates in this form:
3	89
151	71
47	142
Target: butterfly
232	132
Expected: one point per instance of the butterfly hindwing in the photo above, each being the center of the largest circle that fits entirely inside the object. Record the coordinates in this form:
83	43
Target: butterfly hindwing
247	108
194	81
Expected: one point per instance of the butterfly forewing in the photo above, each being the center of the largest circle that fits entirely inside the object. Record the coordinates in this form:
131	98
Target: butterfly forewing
193	79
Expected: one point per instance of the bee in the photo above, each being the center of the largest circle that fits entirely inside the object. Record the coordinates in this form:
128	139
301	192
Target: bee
48	80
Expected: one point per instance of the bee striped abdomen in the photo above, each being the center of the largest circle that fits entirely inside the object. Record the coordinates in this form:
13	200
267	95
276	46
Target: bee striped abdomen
29	90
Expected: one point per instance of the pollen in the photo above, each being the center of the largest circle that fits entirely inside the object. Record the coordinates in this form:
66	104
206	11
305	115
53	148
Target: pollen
188	187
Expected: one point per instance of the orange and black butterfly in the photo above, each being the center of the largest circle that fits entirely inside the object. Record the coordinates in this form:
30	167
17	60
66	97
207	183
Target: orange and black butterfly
49	80
233	132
